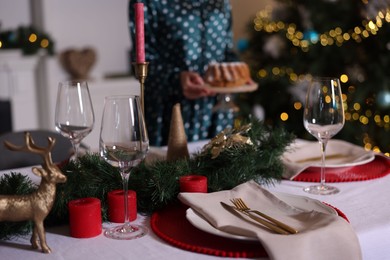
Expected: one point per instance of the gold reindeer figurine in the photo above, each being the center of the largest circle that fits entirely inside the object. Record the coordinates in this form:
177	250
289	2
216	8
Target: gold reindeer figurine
37	205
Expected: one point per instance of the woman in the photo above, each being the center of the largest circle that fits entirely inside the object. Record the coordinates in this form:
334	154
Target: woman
181	38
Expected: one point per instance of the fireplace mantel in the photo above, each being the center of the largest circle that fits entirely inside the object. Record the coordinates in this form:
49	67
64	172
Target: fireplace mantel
18	85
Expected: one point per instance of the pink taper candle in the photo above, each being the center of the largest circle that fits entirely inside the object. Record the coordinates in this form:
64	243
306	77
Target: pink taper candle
139	32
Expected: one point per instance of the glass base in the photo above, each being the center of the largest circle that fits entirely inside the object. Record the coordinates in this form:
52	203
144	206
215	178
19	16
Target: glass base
225	104
126	232
321	190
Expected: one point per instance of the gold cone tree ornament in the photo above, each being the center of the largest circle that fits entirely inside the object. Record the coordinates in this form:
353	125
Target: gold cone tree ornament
177	139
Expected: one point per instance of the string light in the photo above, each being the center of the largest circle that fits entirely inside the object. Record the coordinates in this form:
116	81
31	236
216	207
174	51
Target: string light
335	36
284	116
29	40
45	43
32	38
297	105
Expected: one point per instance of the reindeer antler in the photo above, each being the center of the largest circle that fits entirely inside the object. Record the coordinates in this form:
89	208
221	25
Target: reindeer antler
30	146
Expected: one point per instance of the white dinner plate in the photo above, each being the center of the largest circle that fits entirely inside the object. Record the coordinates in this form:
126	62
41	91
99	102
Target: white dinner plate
300	202
238	89
338	154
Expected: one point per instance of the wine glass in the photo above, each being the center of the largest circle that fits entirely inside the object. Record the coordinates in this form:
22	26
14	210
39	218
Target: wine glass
323	118
225	103
123	144
74	116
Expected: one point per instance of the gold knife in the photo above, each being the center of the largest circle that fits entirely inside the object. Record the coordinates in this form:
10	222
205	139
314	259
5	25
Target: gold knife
263	222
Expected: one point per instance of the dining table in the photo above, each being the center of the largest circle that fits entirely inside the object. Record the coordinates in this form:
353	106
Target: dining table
365	204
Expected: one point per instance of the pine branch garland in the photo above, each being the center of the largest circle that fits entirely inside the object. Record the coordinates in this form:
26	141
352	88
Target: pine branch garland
157	183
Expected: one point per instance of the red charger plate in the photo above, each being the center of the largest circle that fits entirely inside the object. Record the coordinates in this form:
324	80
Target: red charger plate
377	168
171	225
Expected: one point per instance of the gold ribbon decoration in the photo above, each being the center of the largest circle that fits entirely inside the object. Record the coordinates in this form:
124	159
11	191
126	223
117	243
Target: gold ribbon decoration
228	138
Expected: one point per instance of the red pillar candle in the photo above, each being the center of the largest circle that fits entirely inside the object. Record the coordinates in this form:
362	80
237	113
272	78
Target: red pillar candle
85	217
116	206
139	32
193	183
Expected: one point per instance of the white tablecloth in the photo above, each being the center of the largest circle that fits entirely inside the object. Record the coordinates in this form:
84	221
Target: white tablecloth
366	204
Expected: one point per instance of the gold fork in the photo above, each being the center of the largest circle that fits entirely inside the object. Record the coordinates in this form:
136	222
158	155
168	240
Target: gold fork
240	204
263	222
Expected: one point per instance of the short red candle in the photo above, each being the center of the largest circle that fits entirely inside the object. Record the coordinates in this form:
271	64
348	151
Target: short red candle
85	217
116	205
193	183
139	32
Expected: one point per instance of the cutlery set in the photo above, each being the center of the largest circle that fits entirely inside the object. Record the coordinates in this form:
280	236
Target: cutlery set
240	208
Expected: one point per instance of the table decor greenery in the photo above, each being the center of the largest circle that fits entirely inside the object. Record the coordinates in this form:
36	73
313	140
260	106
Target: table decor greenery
249	152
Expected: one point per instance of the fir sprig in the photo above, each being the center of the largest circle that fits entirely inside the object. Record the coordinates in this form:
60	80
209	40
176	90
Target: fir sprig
15	184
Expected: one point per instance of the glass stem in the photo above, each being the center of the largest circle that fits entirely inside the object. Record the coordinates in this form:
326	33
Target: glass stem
76	146
125	194
323	144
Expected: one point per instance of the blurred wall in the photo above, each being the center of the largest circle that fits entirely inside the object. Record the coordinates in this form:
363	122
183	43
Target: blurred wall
14	13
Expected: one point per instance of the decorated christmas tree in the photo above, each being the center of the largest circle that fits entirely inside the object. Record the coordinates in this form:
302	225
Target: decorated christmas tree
298	39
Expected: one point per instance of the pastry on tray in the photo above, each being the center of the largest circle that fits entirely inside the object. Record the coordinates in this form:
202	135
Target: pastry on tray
227	74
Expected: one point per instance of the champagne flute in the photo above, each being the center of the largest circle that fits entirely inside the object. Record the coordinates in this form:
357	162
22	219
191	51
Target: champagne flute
74	116
124	144
323	118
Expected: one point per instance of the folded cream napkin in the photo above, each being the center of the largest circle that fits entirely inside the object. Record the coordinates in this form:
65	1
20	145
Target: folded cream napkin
302	154
321	236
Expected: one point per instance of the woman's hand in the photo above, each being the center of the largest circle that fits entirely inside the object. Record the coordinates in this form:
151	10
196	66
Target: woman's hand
193	85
